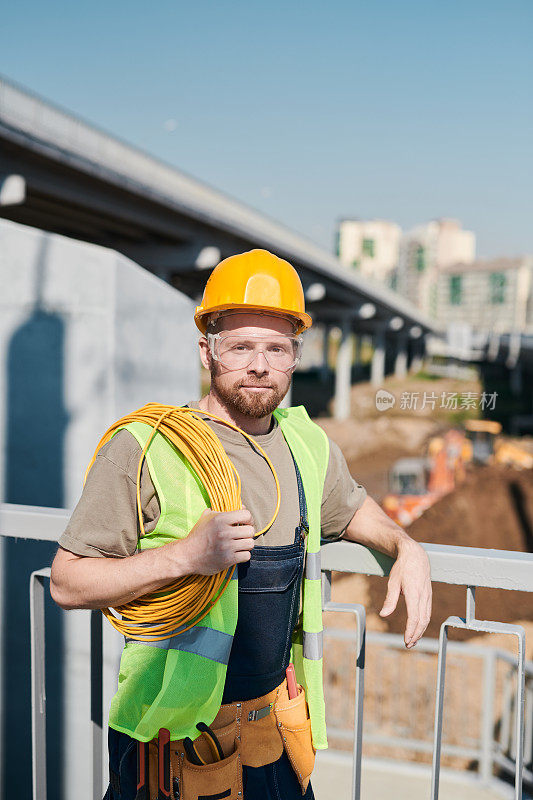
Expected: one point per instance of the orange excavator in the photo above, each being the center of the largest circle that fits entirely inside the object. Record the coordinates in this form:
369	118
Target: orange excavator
416	483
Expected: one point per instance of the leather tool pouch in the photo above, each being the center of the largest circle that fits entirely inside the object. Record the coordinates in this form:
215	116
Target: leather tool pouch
215	779
219	779
294	727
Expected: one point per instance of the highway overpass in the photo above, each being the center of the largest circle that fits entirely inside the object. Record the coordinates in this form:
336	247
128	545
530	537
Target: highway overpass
63	175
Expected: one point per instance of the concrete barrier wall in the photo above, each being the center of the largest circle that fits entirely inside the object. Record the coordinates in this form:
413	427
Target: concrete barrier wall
85	336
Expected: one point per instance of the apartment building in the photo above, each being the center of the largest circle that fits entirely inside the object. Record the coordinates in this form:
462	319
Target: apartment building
423	252
369	246
488	294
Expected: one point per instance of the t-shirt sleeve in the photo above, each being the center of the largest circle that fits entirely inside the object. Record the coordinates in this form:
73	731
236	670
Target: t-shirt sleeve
104	522
341	497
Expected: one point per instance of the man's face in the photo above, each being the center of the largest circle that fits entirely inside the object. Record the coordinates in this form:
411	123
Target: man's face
257	389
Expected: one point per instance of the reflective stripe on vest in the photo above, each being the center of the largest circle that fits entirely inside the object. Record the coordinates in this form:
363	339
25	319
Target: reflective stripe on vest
202	641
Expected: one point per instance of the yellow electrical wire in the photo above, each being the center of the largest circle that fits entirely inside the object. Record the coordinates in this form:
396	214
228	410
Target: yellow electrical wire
187	600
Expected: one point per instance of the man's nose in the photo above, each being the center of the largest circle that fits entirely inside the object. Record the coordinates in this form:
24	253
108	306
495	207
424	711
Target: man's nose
259	363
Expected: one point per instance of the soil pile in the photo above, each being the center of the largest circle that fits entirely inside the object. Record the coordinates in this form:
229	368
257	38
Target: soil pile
493	508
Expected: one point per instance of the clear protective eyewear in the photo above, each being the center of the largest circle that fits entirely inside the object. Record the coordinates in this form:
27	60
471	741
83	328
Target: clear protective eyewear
237	351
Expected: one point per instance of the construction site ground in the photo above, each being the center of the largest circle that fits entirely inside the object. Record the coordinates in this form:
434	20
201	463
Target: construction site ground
492	508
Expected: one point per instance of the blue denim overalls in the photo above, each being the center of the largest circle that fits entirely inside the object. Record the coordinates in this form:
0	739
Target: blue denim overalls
269	600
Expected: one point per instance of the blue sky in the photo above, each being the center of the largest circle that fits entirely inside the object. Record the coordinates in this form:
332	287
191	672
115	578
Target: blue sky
308	111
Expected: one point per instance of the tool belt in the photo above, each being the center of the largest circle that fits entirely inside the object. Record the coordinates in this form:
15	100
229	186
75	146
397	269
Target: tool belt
250	733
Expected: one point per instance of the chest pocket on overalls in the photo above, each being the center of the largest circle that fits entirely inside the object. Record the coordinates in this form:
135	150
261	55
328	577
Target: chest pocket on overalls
274	569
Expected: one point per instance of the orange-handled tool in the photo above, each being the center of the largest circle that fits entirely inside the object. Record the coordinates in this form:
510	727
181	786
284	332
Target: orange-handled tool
292	686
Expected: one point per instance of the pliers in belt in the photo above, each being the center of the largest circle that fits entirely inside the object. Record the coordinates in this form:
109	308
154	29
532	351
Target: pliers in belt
212	740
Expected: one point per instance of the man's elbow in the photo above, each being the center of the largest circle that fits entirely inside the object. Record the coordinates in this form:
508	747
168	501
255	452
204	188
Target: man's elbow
61	596
60	591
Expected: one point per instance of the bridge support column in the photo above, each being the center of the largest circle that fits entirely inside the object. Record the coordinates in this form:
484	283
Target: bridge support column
343	371
377	370
400	362
417	360
515	380
357	349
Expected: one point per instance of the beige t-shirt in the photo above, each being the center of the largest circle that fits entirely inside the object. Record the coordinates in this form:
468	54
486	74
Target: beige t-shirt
104	522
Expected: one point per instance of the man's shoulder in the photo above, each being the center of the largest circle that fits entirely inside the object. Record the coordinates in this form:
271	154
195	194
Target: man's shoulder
121	449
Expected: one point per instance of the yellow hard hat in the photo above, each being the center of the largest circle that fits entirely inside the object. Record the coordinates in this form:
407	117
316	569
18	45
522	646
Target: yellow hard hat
254	281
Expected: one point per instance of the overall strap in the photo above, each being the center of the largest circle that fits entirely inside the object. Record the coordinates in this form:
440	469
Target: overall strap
301	496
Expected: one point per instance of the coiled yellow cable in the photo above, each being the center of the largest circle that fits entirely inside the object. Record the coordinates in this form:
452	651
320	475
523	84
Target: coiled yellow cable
187	600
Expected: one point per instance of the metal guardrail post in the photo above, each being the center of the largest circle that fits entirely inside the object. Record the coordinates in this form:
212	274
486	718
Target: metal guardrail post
38	683
487	723
38	690
482	626
528	733
507	712
96	701
360	617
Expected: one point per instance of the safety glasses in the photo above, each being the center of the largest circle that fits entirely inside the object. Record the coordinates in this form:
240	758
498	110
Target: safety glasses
237	351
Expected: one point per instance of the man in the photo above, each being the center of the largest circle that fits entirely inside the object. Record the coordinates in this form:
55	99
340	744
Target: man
251	315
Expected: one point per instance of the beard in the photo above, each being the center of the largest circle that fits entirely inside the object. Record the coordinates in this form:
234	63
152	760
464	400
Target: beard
250	404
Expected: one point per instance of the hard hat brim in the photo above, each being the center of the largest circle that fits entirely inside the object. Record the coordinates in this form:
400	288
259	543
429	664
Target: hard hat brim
202	314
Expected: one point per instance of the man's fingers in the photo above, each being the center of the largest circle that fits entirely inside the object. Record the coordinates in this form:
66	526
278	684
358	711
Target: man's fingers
412	623
242	555
421	612
240	517
417	633
243	544
240	532
413	614
391	600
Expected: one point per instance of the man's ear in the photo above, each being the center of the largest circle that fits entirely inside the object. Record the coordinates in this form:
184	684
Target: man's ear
205	352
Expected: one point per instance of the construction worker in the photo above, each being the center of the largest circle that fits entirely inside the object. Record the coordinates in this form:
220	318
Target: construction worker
251	317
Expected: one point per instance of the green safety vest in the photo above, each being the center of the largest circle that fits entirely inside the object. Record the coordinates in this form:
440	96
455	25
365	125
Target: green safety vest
180	681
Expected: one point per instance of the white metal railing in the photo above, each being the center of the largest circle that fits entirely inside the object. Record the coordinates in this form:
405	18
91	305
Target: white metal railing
478	733
467	566
470	567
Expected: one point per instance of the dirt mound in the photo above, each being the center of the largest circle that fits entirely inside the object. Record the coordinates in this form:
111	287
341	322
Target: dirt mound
493	508
372	446
360	438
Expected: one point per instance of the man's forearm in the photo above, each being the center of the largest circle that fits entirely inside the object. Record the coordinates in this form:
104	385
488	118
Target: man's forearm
410	574
83	582
373	528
